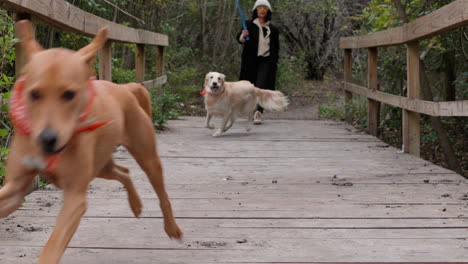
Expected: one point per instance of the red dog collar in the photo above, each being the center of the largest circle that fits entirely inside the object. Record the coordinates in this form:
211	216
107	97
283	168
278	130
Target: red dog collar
22	124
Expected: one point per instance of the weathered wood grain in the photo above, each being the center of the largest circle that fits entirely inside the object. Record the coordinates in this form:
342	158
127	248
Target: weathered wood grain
268	196
61	14
453	108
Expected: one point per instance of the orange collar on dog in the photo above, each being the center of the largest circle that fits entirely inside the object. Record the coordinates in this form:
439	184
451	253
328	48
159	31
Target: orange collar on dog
22	124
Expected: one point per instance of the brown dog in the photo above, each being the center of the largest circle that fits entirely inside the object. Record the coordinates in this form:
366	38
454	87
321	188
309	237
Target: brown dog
67	127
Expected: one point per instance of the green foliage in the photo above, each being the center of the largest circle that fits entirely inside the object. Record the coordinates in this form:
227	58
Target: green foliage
7	78
289	78
120	74
3	156
331	110
166	106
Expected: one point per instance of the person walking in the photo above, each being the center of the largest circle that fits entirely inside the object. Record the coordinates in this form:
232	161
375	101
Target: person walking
259	60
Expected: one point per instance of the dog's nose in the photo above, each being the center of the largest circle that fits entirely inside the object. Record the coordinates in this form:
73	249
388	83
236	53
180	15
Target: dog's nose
215	84
48	140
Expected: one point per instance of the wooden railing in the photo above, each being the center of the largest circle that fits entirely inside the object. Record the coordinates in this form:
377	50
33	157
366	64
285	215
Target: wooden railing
452	16
61	14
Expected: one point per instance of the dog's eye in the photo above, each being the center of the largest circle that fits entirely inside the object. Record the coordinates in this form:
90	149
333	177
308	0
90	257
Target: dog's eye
35	95
211	77
68	95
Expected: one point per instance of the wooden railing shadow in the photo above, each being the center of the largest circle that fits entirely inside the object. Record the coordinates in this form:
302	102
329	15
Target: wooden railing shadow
445	19
63	15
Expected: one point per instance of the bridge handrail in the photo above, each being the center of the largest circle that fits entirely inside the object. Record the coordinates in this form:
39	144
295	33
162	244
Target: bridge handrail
445	19
63	15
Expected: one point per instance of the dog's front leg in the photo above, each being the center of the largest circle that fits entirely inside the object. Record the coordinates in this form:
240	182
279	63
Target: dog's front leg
17	180
208	121
74	207
223	125
248	127
12	194
230	123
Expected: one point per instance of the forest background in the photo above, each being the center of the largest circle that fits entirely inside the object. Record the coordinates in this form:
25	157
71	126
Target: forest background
202	36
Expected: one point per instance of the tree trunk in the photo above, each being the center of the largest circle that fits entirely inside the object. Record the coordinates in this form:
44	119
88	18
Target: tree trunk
450	76
451	158
203	25
314	70
218	32
227	41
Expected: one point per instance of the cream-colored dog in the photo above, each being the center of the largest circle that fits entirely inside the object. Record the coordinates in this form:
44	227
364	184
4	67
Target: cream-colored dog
230	100
67	127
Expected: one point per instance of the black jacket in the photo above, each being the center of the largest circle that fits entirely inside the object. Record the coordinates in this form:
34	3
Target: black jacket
250	51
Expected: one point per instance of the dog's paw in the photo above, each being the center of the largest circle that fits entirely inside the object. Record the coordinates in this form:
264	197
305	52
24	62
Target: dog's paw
217	133
210	126
137	208
173	231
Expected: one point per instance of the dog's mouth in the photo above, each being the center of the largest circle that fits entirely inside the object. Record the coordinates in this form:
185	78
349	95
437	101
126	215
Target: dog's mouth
214	88
51	151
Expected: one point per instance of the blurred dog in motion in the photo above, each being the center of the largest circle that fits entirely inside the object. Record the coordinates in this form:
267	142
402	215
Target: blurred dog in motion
67	126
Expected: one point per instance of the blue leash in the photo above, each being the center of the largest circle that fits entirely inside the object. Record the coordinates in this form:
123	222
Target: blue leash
244	26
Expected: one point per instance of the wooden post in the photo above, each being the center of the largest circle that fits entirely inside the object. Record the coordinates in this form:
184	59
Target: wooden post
105	62
348	62
411	128
159	61
373	106
140	63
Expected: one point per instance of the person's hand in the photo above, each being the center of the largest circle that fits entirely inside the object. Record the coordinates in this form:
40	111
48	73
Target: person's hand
245	33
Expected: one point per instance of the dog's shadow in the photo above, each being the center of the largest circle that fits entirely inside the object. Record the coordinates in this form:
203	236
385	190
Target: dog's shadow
236	135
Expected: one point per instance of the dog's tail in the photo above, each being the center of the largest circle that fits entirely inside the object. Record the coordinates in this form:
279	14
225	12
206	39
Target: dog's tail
271	100
143	97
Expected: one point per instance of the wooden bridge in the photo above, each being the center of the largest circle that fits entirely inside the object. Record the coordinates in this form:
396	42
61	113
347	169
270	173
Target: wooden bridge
288	192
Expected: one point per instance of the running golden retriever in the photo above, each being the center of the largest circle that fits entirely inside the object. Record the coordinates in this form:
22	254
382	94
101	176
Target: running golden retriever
230	100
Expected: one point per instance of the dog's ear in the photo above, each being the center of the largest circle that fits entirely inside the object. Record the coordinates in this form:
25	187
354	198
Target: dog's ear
223	77
88	53
28	40
207	76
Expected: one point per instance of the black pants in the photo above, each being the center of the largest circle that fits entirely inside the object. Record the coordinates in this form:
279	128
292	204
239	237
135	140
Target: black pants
264	68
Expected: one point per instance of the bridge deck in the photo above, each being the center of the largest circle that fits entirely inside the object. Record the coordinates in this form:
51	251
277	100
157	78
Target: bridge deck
288	192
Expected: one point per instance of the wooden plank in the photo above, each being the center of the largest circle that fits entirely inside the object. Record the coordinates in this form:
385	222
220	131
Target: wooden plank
218	250
440	21
389	37
61	14
373	109
156	83
399	208
454	108
416	224
348	63
411	128
140	63
105	62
